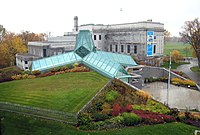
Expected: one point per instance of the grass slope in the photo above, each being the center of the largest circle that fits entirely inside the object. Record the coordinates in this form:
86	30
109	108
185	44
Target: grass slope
66	92
195	69
17	124
181	47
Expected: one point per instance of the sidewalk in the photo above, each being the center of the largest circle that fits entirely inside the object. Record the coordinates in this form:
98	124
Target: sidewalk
186	69
179	97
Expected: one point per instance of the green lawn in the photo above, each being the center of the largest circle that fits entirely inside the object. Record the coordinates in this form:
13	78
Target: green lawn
66	92
174	65
16	124
195	69
184	49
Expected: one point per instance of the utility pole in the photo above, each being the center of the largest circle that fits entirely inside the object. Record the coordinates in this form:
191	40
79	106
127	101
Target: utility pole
168	84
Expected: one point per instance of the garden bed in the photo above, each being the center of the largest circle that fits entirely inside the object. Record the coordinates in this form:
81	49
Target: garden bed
119	105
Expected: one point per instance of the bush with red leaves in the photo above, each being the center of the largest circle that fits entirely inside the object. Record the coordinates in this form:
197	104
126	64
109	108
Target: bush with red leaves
127	108
116	109
153	118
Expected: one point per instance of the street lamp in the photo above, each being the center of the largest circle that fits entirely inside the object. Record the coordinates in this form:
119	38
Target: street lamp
168	84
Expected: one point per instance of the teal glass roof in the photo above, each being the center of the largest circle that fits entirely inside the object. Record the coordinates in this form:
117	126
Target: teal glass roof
106	63
55	61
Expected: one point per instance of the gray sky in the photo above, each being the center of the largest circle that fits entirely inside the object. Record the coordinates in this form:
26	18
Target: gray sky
56	16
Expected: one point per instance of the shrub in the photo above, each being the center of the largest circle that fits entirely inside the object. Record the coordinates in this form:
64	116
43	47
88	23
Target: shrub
24	76
7	73
189	82
130	119
60	72
26	72
106	108
69	66
16	77
153	118
183	82
111	95
63	68
116	120
152	106
181	116
46	74
36	72
127	108
75	65
100	117
116	109
53	70
99	106
31	77
143	94
93	126
84	119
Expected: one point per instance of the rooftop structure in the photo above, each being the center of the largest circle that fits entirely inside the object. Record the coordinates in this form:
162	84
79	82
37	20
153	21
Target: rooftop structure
144	40
108	64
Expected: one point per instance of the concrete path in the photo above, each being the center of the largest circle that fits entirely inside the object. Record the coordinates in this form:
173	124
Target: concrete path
186	69
179	97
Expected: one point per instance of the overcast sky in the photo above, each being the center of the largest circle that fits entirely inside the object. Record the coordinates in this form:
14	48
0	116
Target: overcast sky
56	16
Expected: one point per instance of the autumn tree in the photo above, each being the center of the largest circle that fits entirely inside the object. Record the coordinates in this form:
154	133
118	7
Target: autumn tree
191	35
9	47
176	56
30	36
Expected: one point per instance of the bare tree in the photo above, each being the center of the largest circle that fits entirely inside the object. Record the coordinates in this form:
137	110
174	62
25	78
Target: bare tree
191	35
167	36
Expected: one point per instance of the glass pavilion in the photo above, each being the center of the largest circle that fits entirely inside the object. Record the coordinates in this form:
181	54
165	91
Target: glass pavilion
108	64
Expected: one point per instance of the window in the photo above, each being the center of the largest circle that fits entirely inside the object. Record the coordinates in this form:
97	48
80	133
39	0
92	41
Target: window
116	48
110	48
122	48
44	52
154	49
154	37
128	48
26	67
99	37
135	49
95	37
26	62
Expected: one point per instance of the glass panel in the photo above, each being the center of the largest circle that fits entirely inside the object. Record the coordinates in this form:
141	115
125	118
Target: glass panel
60	59
54	60
105	63
109	66
43	63
100	63
49	62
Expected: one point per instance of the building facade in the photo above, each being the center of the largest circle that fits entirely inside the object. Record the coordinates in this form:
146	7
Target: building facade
144	40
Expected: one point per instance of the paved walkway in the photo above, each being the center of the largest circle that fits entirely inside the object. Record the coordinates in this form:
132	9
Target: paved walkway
179	97
186	69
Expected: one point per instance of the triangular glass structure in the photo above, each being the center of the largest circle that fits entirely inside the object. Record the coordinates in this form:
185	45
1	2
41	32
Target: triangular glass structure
106	63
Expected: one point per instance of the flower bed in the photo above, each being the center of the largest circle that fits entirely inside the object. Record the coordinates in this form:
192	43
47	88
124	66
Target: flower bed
54	71
153	118
187	83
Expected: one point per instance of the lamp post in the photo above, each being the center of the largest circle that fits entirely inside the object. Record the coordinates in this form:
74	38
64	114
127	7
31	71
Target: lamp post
168	84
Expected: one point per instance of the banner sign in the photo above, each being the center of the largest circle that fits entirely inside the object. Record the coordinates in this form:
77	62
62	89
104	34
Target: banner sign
150	38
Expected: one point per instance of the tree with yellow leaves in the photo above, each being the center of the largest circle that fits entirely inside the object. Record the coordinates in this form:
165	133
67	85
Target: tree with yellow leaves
9	47
176	56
